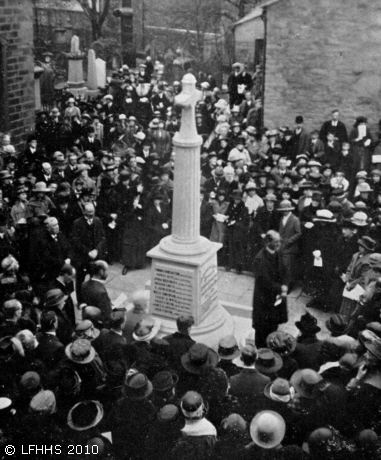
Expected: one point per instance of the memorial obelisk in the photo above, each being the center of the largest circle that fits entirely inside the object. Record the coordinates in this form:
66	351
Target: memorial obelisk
184	264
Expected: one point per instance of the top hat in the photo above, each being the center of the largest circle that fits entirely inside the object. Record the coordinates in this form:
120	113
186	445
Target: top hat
137	387
337	325
198	357
228	347
165	381
80	351
299	119
85	415
268	361
267	429
308	324
281	342
305	382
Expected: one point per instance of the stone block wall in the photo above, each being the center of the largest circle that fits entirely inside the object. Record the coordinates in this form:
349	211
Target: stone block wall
322	55
16	33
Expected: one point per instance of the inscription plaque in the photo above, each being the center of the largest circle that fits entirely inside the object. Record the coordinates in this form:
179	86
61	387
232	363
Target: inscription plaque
172	291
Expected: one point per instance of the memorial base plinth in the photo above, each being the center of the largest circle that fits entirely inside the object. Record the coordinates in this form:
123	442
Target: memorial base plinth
187	285
210	331
79	92
92	93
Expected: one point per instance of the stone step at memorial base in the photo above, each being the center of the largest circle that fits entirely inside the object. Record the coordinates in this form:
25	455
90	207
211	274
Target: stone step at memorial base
79	92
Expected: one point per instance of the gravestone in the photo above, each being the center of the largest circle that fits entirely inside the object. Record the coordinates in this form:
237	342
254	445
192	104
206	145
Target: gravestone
184	264
101	72
75	74
92	79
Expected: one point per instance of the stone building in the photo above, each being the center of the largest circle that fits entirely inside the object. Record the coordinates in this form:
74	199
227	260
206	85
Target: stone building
17	100
319	55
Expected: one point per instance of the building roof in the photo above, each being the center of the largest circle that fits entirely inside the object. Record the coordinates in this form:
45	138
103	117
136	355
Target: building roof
255	13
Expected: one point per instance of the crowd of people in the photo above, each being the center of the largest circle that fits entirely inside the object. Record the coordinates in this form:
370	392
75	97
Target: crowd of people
94	186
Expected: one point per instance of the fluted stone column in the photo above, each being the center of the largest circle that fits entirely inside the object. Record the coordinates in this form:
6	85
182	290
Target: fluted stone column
184	264
185	238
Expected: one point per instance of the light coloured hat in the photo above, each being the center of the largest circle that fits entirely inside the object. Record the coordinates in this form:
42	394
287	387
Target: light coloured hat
146	329
323	215
41	187
285	205
360	219
85	415
140	136
43	402
221	104
267	429
80	351
122	116
364	187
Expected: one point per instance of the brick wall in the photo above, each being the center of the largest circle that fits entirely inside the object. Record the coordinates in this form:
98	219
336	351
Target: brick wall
322	55
16	32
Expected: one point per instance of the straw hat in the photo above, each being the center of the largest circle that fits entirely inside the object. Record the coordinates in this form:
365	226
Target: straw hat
267	429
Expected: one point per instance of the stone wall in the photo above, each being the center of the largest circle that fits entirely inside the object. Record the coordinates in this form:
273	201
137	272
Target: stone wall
16	32
322	55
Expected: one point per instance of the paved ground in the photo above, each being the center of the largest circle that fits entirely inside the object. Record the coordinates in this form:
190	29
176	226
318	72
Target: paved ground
232	288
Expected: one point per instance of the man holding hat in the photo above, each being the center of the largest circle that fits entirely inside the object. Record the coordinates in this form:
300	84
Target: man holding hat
88	243
49	251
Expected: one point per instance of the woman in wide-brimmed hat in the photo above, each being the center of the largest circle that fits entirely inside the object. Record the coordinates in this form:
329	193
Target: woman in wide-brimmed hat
284	344
355	274
39	203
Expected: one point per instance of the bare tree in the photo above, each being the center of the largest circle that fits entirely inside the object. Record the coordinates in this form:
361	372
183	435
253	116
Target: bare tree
96	11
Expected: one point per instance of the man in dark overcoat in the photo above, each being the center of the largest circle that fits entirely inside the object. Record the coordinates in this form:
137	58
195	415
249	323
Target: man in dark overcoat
270	291
88	243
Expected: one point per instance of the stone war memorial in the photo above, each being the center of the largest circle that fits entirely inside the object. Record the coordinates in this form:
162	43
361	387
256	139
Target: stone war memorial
184	264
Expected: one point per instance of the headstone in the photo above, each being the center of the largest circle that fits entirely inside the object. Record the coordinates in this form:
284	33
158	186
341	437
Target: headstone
75	73
92	81
184	264
74	44
101	72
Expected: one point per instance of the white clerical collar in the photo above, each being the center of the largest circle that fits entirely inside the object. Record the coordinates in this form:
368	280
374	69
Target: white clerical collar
99	281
